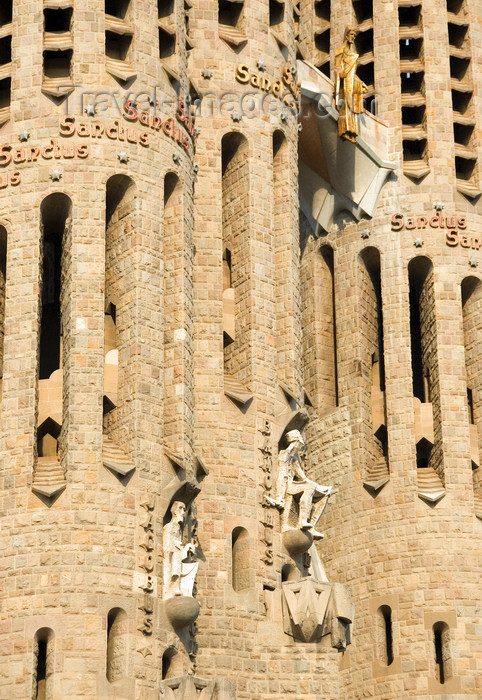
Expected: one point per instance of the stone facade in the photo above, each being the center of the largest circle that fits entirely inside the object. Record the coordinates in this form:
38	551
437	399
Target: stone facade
167	315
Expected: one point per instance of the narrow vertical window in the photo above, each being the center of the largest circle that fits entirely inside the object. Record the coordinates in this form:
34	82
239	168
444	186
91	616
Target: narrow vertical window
386	637
231	23
119	34
235	222
240	559
49	477
322	35
5	59
116	645
43	664
442	652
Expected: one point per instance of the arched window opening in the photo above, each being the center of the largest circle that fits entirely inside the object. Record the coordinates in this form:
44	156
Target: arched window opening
442	652
172	664
240	548
43	664
235	204
471	289
418	270
55	213
3	282
386	651
120	217
329	316
117	629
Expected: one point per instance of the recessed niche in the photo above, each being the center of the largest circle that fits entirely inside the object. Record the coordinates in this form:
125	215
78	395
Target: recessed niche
5	50
117	8
409	16
57	20
167	43
463	133
414	150
363	10
5	12
57	63
410	49
364	42
461	100
117	45
323	9
413	116
165	8
322	41
457	34
459	67
464	167
412	82
229	13
276	12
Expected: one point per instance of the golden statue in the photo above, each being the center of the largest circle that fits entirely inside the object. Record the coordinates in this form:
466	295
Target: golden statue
349	89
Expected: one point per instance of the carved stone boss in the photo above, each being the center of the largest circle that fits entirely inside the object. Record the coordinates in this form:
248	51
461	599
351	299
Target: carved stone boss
147	565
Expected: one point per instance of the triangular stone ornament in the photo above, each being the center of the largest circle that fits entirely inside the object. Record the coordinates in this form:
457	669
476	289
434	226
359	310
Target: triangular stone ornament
430	488
377	475
193	688
49	478
115	458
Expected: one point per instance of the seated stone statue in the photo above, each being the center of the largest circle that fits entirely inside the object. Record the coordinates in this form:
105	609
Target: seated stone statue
292	483
180	564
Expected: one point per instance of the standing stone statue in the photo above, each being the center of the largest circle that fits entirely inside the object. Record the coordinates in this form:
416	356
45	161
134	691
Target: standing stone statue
180	563
349	89
292	483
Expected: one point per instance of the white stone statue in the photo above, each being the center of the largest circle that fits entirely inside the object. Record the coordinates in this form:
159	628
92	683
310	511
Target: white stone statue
293	482
180	563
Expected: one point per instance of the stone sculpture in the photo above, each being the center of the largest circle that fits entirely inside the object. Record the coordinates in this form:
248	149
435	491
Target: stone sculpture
349	89
180	563
292	483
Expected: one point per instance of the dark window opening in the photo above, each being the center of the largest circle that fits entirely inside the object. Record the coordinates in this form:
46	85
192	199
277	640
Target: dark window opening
367	73
57	64
412	82
414	150
409	16
464	167
410	49
457	34
386	613
322	41
323	9
470	406
276	12
413	116
5	12
459	67
5	50
5	90
117	8
454	6
327	255
463	133
117	45
364	42
460	100
363	10
229	13
165	8
418	271
324	68
167	43
41	669
57	20
439	659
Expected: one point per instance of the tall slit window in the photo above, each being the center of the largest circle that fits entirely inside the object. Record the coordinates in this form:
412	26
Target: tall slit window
5	60
43	664
119	34
3	281
116	645
322	35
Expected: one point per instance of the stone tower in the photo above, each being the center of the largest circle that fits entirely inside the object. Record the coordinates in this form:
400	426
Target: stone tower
205	360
